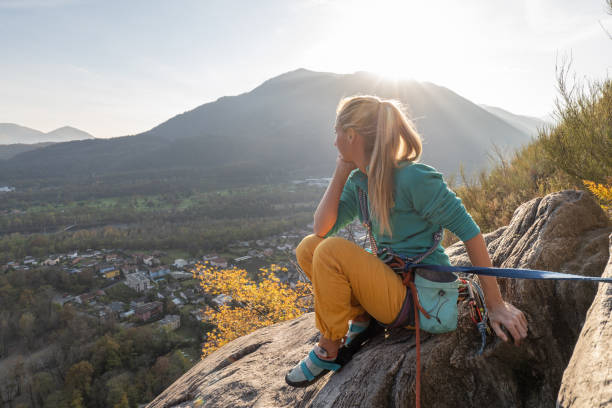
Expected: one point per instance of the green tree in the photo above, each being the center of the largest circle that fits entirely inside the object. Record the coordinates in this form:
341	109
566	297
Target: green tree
76	399
124	403
26	326
79	378
106	354
43	384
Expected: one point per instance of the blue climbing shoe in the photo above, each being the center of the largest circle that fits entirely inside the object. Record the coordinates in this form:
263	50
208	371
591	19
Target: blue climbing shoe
311	369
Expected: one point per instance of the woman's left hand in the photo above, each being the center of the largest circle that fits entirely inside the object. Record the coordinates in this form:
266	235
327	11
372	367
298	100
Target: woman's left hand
511	318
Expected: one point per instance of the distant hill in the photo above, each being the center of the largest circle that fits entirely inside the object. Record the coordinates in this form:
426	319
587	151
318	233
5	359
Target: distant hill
527	124
11	133
12	150
284	126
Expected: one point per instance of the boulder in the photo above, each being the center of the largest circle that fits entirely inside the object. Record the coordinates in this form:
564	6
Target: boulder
587	380
565	232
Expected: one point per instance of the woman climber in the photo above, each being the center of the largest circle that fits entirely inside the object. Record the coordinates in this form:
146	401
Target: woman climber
408	201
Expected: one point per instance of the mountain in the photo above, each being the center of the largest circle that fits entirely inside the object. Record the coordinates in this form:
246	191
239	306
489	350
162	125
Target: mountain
12	150
67	133
527	124
11	133
284	126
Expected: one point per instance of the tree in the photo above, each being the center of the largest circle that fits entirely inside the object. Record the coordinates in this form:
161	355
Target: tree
253	305
78	378
43	385
106	354
26	326
124	403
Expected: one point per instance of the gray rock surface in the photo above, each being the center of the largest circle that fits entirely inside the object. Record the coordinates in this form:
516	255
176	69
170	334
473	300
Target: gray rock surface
565	232
587	380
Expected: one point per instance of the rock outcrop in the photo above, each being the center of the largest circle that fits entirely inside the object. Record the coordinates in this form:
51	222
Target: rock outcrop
587	380
565	232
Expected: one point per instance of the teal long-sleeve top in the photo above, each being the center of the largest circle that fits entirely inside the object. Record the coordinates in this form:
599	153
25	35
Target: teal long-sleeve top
423	204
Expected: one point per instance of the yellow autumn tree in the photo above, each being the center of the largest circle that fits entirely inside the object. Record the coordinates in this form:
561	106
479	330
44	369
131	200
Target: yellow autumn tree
253	304
603	192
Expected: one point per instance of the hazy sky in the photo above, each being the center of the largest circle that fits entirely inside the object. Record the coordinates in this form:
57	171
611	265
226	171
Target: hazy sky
115	68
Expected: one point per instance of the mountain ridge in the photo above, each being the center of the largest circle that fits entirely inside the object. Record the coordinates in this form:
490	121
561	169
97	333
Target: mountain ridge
283	125
12	133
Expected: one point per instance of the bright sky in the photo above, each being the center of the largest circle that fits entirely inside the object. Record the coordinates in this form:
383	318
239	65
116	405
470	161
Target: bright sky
116	67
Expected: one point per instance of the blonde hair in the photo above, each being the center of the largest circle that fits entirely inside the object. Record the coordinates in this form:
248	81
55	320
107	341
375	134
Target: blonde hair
389	138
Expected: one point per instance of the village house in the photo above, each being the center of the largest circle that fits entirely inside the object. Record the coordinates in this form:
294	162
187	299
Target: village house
126	268
218	262
51	261
85	298
61	300
116	308
158	272
197	314
179	275
138	281
148	310
126	315
150	260
170	322
268	252
285	247
243	258
111	258
109	272
180	263
221	299
29	260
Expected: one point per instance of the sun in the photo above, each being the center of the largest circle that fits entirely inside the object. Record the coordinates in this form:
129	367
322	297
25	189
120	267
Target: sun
397	40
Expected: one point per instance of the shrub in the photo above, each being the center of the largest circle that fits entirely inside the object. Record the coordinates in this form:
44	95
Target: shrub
253	305
578	148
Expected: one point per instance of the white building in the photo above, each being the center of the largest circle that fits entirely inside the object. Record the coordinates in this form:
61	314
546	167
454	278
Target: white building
138	281
180	263
51	261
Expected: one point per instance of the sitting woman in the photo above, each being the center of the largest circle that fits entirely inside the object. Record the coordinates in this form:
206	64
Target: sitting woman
408	201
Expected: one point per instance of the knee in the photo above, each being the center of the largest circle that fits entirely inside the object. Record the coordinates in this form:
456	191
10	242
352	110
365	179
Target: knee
306	248
329	247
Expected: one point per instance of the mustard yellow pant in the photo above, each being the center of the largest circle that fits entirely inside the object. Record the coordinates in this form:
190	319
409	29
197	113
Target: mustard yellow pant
348	281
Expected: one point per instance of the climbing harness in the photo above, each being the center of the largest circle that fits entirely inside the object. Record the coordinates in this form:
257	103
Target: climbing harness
411	269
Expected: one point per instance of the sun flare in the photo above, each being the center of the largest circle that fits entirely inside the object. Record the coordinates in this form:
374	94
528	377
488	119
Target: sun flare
397	40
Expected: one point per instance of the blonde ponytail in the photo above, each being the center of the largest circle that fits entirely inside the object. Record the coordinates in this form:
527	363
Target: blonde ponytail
390	138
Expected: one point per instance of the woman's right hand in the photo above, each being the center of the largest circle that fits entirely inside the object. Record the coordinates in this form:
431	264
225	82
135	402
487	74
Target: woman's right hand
343	165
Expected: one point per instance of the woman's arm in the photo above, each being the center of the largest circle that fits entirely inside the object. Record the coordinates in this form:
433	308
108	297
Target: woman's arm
500	312
327	211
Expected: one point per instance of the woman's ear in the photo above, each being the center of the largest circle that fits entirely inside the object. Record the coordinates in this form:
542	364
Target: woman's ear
350	135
